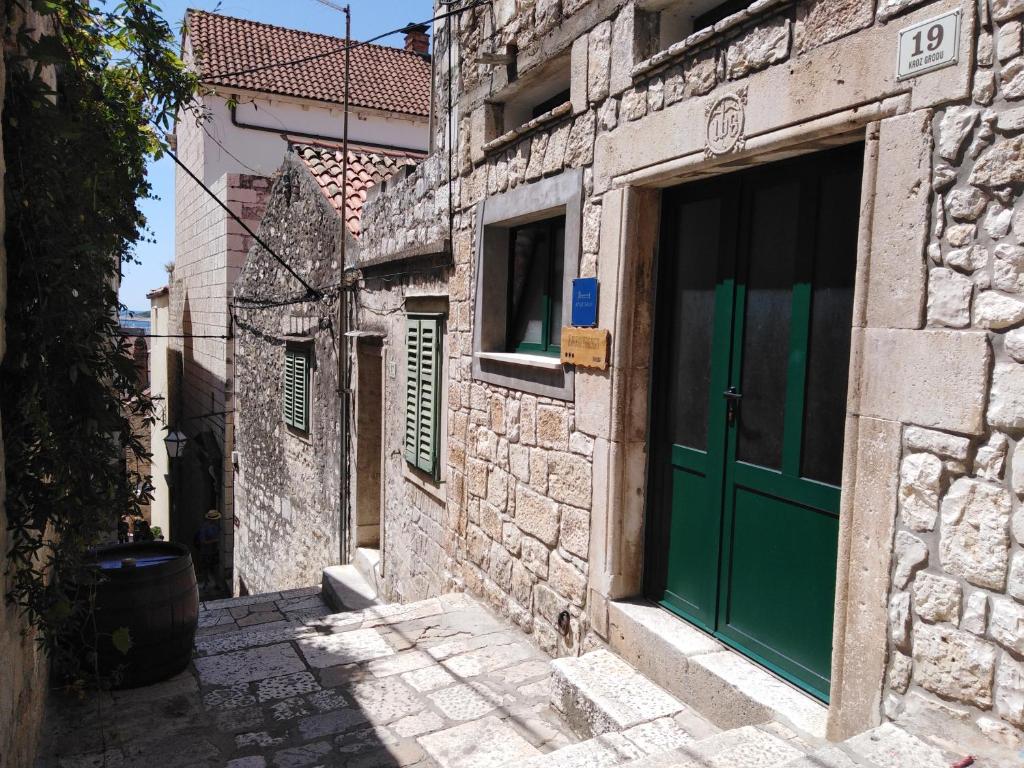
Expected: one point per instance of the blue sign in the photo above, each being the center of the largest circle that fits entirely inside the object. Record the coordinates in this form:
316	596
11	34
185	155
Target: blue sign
584	302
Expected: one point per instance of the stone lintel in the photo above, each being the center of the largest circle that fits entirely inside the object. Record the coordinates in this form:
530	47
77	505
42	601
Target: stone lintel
842	75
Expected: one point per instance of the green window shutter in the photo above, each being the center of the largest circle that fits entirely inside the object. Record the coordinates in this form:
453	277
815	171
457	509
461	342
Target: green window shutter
412	378
300	418
289	387
296	389
429	381
422	390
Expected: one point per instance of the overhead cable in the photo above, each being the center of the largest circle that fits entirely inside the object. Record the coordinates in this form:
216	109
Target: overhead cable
340	49
310	291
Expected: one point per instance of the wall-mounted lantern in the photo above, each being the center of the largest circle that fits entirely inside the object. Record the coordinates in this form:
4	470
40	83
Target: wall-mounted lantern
175	442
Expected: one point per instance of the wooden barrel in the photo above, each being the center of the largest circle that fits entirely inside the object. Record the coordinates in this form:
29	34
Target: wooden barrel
150	589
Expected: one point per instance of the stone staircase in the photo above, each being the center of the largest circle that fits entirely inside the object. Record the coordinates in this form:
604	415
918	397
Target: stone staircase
625	719
284	679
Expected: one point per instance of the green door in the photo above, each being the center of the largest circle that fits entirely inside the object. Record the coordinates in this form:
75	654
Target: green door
754	315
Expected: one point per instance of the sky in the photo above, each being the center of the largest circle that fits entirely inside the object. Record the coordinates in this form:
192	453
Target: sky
369	18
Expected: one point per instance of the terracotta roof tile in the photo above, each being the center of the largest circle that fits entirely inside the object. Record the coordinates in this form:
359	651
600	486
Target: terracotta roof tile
366	167
389	79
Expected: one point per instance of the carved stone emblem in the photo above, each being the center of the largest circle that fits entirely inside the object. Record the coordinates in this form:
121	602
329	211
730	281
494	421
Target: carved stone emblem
725	124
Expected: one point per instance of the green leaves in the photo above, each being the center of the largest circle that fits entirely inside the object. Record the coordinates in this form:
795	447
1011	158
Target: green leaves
122	640
76	171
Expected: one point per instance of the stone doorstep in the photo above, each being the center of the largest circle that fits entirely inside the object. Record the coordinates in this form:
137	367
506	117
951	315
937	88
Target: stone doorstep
345	589
613	749
366	562
718	682
746	747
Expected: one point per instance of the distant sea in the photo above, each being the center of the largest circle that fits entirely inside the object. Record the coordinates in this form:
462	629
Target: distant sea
130	319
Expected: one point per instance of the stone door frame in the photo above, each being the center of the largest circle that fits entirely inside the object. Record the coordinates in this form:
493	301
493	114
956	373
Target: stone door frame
888	339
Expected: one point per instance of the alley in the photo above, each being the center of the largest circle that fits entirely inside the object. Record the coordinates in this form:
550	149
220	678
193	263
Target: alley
278	680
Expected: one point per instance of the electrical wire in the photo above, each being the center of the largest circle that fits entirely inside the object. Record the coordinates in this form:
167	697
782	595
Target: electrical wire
341	49
310	291
317	294
177	336
255	302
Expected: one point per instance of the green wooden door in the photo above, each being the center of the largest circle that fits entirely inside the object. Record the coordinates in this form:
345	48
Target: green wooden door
755	307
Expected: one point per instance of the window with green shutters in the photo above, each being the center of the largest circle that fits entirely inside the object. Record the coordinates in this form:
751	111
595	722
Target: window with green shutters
296	389
422	391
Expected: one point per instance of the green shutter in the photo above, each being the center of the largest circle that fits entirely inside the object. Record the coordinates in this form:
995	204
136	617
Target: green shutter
422	385
412	377
300	417
426	448
296	389
289	387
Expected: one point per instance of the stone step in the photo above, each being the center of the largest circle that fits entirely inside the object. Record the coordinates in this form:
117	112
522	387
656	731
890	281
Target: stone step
345	589
366	561
746	747
600	693
614	749
890	746
722	685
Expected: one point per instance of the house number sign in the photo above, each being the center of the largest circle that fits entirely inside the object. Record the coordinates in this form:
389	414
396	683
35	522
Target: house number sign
929	45
725	119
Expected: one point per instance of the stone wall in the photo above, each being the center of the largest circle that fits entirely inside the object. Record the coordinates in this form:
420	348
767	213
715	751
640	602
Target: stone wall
23	674
545	498
957	603
210	248
287	483
415	520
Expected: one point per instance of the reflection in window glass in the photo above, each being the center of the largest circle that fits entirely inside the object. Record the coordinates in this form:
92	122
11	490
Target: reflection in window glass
535	286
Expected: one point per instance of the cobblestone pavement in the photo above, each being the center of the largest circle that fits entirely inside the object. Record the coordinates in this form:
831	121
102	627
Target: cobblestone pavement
277	680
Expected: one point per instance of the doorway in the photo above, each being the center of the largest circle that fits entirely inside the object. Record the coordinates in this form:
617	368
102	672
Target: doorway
368	436
751	360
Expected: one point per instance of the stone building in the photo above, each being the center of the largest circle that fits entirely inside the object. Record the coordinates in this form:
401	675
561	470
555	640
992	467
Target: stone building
249	113
796	484
804	221
288	489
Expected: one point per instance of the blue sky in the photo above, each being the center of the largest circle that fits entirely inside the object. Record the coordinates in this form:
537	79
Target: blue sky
369	18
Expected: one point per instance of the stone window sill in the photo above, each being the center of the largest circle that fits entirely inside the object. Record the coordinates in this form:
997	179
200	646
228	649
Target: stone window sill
523	358
701	36
563	109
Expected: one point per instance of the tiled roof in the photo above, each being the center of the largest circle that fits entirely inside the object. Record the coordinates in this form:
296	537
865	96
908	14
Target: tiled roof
389	79
366	167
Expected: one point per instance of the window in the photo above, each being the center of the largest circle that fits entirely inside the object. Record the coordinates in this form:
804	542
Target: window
422	391
536	94
535	286
674	20
527	252
296	389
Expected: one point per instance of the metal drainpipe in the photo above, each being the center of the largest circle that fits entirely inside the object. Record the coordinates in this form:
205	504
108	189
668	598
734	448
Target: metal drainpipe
343	388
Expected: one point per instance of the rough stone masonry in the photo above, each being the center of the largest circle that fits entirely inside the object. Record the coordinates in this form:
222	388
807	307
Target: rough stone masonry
540	506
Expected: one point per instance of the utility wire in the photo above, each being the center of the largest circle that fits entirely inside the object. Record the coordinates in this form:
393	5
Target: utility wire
177	336
310	291
341	49
255	302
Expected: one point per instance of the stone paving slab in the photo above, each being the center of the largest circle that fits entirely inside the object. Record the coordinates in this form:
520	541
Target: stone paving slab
410	685
484	743
437	684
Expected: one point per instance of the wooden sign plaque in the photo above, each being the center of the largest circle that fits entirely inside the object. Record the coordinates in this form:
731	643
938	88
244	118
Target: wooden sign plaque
585	347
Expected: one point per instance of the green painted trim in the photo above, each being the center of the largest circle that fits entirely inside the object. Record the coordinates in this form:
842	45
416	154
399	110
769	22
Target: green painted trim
808	493
690	459
804	685
670	604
